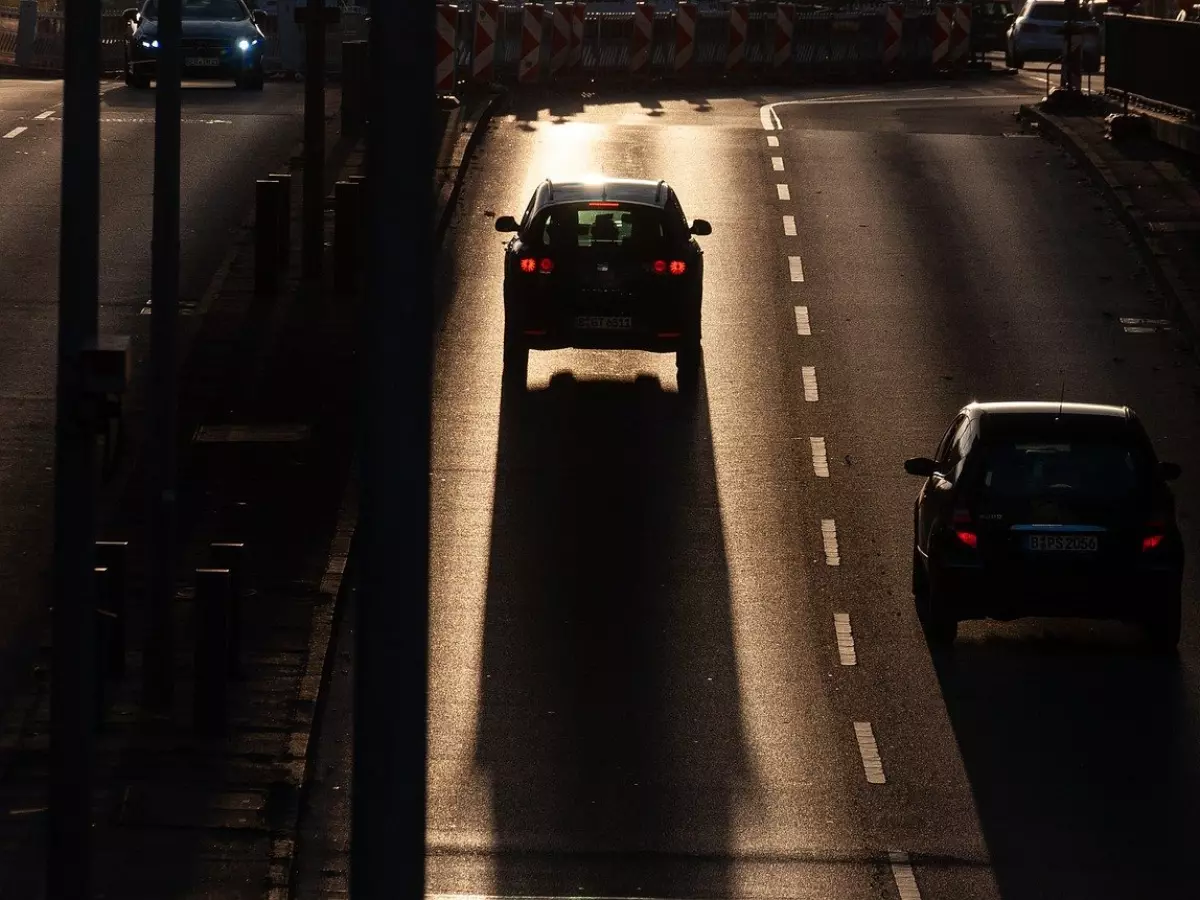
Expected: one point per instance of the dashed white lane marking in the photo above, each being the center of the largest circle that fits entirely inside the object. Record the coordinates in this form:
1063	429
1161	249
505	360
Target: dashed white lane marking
784	191
845	639
803	326
777	163
772	140
789	226
902	874
770	118
16	131
1145	326
829	539
795	266
47	114
869	751
808	374
820	457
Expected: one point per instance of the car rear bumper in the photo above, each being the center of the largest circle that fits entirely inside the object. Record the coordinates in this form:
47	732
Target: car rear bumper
1133	595
656	324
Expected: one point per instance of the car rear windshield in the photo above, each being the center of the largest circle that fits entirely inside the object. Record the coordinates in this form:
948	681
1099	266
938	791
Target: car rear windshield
570	226
229	10
1052	12
1088	471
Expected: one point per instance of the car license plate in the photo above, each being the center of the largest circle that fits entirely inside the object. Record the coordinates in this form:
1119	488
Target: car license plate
604	323
197	62
1064	543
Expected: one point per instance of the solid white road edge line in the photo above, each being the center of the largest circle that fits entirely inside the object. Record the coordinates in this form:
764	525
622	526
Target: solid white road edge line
902	874
845	639
819	457
784	191
16	131
808	374
803	325
869	751
829	539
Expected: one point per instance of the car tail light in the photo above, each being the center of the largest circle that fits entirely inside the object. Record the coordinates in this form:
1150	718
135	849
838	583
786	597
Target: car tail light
1157	533
675	267
530	264
964	529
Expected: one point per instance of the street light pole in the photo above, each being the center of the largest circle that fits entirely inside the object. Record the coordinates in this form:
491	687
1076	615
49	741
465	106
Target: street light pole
72	706
390	694
158	669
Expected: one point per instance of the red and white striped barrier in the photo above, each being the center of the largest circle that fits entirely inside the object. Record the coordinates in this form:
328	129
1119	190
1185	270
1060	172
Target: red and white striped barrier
735	54
447	45
560	37
483	51
685	36
893	34
529	67
943	27
785	27
643	35
578	14
960	37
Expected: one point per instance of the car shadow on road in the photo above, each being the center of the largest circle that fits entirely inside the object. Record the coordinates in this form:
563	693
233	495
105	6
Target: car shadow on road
610	715
1081	754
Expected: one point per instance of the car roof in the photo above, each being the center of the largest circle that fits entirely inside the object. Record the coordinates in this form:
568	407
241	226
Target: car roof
624	190
1049	407
1003	419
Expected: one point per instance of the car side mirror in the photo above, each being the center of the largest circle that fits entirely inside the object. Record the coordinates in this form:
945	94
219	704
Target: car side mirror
130	15
1170	471
507	225
700	227
260	17
920	465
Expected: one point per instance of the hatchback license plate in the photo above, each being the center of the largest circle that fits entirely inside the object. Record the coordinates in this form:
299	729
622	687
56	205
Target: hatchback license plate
199	62
1064	543
604	323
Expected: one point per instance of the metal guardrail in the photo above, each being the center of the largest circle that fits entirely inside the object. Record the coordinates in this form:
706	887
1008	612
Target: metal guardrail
1155	61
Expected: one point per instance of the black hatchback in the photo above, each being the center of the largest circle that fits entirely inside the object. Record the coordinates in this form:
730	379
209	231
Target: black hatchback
1046	509
606	264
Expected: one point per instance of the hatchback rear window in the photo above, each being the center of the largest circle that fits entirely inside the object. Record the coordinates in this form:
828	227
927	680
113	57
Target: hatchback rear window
1091	471
1053	12
600	224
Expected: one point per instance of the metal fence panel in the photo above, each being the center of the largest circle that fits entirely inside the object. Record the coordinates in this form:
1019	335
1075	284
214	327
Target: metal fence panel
1155	59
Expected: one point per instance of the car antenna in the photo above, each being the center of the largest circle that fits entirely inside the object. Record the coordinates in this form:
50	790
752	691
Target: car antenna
1061	394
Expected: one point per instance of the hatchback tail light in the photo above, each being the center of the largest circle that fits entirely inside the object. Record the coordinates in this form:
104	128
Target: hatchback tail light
673	267
1156	533
964	529
531	264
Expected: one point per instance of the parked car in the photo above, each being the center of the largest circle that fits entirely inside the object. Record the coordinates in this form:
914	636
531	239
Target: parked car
1036	35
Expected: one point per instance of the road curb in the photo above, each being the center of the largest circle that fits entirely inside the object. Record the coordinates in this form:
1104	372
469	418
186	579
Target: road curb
1181	302
464	149
310	700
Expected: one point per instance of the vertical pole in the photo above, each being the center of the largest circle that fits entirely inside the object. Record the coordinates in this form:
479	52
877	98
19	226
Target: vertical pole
159	668
390	698
69	863
313	246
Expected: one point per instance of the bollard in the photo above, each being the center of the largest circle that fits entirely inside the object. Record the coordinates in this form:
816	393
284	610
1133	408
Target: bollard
285	217
105	620
347	223
266	236
355	81
232	556
210	713
114	556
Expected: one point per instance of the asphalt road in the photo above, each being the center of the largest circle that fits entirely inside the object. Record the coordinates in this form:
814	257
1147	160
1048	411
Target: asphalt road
229	138
637	688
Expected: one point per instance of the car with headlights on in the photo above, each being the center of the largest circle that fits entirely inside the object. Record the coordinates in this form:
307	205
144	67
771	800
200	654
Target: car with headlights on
605	264
221	40
1046	509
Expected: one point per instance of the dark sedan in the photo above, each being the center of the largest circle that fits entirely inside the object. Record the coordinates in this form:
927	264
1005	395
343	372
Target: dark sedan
605	264
1046	509
221	40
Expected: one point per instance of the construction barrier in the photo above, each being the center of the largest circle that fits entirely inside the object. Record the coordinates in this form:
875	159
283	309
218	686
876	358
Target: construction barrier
735	59
943	31
643	38
960	41
685	36
483	50
578	16
530	70
893	35
785	27
447	44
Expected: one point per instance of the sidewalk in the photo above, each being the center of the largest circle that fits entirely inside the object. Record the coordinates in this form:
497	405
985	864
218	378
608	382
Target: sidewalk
265	457
1152	187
